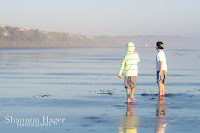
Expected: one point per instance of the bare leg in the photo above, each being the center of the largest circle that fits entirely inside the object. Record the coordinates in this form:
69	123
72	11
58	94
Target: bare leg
161	89
132	92
128	95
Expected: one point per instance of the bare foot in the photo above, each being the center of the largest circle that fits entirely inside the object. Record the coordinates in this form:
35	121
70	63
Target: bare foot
162	95
133	98
128	100
161	98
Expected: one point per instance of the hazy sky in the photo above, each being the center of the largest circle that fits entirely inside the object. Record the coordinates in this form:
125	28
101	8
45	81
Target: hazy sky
105	17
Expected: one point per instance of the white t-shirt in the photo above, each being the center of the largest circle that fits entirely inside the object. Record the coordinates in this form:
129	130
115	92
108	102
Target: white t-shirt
161	57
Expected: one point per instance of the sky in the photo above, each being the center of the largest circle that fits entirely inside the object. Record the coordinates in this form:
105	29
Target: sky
105	17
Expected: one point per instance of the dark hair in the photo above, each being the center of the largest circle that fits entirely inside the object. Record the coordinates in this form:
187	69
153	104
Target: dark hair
159	44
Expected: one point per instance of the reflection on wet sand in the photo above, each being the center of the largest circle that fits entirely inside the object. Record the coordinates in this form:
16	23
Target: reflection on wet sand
129	123
161	120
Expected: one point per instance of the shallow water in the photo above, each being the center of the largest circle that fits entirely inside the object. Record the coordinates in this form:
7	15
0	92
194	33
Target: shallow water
81	85
63	73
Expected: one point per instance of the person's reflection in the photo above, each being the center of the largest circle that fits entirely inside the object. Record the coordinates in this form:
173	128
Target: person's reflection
161	120
129	123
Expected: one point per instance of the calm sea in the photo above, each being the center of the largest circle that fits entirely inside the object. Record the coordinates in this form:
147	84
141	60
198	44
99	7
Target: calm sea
69	72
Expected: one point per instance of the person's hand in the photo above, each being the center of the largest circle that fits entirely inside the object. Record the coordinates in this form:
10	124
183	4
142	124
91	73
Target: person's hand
160	73
119	77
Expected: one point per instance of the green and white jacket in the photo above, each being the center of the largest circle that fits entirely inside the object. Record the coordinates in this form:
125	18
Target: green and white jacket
130	61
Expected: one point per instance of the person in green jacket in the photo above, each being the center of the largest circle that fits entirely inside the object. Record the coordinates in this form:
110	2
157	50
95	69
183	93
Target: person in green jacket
130	68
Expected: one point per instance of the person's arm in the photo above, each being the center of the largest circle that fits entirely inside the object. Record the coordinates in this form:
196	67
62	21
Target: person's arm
138	58
121	68
161	59
161	66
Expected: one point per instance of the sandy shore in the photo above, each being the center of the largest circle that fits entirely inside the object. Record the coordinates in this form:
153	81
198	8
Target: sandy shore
103	113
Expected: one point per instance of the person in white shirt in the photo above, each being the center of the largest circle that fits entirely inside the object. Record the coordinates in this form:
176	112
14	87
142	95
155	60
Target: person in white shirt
161	68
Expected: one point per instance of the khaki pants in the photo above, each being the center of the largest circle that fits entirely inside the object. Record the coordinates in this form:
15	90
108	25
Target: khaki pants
162	78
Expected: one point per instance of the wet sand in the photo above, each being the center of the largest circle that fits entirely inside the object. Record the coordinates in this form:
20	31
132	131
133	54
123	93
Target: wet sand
104	113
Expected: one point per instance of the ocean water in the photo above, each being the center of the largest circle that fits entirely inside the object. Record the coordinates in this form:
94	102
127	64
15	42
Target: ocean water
81	86
65	73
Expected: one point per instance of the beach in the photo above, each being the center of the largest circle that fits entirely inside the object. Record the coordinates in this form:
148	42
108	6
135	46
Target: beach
75	90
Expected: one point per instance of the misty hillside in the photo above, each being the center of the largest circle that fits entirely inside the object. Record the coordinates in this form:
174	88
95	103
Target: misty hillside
19	37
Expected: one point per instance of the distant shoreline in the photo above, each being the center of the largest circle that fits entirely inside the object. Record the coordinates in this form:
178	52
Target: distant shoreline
14	37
